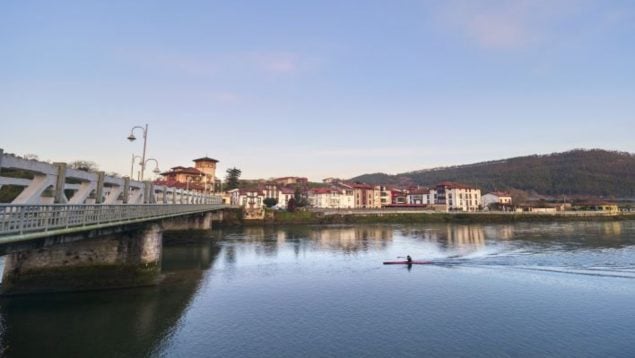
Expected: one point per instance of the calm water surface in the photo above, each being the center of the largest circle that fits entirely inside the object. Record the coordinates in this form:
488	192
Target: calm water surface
524	290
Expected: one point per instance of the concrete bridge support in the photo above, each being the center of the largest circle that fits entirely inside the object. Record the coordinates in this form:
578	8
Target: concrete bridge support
128	259
199	222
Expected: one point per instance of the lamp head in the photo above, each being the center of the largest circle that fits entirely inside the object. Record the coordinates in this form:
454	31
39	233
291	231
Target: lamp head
131	137
156	171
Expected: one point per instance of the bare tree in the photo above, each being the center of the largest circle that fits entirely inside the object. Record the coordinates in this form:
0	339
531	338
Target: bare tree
85	165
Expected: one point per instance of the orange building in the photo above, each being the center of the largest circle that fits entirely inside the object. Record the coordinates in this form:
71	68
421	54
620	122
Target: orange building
201	177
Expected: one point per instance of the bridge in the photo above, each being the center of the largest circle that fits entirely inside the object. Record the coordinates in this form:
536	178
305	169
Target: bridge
70	229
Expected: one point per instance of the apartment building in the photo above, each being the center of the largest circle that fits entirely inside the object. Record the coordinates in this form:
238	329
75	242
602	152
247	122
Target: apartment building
458	197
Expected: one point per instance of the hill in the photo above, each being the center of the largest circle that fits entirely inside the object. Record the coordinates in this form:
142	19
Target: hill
592	172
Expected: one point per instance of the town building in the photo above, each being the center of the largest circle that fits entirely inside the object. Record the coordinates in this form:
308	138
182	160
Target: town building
420	196
247	198
496	198
458	197
295	181
284	195
366	196
201	177
385	196
398	196
332	198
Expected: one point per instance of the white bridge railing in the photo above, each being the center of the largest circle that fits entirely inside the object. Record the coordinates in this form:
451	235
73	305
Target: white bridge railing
24	219
46	183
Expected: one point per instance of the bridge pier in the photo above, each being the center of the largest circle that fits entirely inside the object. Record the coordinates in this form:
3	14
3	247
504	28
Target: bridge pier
201	221
128	259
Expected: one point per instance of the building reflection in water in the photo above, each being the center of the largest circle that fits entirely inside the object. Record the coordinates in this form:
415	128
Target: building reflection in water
499	232
612	228
450	238
271	240
353	239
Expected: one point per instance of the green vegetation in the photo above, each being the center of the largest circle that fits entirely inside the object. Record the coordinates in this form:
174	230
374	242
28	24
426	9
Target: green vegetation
85	165
276	217
593	172
270	202
9	192
232	178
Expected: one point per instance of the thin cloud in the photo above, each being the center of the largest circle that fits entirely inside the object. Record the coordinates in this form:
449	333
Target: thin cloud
177	62
226	97
283	62
212	65
501	24
278	62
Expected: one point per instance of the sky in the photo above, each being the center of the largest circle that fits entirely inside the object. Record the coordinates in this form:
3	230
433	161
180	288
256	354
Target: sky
315	88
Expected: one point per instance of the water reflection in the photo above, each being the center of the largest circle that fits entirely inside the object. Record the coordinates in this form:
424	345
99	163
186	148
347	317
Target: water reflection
503	232
353	239
340	238
453	239
294	266
612	228
128	322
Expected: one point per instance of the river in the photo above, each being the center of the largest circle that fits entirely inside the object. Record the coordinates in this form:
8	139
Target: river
521	290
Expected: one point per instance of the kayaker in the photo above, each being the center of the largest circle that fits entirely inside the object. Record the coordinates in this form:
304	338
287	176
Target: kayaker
409	259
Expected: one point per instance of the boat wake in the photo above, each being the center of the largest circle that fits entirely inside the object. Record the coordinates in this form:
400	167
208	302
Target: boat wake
588	263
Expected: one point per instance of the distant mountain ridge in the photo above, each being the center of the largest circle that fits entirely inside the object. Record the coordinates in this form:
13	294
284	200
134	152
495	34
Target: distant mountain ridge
593	172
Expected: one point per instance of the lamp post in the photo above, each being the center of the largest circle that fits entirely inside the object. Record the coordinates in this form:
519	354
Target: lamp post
143	165
132	165
156	168
132	138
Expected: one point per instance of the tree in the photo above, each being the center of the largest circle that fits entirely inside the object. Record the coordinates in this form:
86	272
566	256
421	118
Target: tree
291	205
85	165
270	202
30	156
232	178
299	198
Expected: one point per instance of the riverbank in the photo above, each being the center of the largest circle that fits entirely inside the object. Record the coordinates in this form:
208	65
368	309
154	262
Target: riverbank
275	217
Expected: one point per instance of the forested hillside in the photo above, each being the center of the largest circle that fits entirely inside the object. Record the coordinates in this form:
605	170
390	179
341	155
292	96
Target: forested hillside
578	172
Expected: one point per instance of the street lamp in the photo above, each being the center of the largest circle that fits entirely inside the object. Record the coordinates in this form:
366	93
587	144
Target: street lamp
156	167
132	165
143	165
132	138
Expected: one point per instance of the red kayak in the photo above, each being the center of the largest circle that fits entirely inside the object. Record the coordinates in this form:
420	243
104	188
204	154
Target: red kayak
413	262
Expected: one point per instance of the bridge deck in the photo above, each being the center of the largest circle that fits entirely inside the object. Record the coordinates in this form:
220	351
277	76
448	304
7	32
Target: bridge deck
24	222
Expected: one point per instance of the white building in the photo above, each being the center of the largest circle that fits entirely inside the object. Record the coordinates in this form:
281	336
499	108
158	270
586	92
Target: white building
496	197
332	198
247	198
284	195
421	196
458	197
